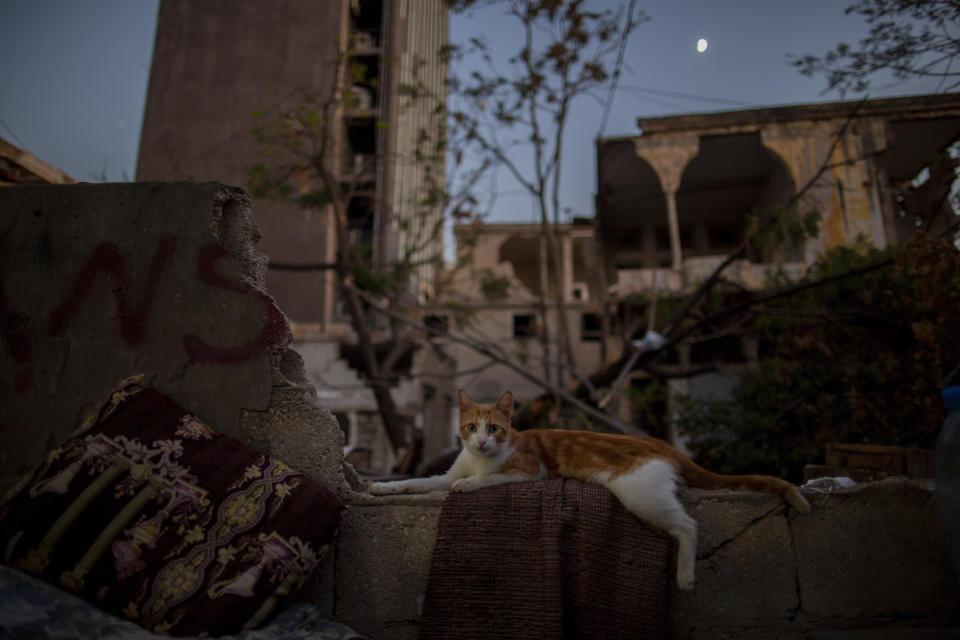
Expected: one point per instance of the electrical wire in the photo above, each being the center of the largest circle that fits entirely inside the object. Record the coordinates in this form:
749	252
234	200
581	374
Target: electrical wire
684	96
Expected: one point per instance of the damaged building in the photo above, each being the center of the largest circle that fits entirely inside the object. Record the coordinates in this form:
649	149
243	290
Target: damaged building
672	202
499	285
676	200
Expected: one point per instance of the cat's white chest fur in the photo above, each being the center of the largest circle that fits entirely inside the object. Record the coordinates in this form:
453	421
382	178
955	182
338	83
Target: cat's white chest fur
472	463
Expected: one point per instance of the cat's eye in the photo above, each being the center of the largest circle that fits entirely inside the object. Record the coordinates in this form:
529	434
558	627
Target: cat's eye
471	427
493	428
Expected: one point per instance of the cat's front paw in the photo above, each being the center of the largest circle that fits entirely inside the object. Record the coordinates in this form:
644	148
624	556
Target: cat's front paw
383	488
466	485
685	580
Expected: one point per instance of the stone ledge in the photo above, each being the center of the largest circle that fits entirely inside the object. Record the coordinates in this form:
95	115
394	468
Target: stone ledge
871	556
409	499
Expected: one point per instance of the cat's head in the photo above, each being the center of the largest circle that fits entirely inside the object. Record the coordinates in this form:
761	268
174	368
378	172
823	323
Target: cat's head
485	428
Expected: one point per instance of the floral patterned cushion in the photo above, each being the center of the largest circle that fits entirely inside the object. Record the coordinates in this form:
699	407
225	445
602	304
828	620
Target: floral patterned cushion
152	515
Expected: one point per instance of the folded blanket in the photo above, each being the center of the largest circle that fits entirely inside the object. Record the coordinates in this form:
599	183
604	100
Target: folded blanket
542	560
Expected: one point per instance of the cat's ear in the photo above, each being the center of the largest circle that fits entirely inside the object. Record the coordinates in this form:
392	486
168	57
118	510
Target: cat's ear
505	403
464	400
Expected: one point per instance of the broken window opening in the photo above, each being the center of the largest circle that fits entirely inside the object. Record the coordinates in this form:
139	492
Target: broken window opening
366	17
523	253
524	325
591	327
928	198
437	322
360	220
362	137
632	209
364	91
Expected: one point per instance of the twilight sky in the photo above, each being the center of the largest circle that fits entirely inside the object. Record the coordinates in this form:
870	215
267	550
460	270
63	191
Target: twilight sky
74	76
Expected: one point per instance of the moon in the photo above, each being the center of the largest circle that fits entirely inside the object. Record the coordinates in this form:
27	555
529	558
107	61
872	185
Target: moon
701	45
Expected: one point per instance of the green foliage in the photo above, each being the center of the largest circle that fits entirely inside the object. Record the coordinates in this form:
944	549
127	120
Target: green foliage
775	235
315	199
906	38
259	181
648	402
262	182
858	359
493	287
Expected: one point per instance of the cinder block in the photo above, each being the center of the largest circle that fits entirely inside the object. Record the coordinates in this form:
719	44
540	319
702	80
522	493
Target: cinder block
382	565
746	570
875	551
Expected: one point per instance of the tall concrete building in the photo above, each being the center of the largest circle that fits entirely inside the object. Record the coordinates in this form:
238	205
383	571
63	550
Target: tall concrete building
222	68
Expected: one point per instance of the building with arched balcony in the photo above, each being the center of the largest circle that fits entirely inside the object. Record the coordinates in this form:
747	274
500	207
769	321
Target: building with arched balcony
672	204
675	200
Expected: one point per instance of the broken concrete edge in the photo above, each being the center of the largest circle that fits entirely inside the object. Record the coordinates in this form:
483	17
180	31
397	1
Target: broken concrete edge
689	495
233	225
364	499
294	417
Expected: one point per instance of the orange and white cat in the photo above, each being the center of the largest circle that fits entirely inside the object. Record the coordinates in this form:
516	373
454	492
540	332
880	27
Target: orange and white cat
642	472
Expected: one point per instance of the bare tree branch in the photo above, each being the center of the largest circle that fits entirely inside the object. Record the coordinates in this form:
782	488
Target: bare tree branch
484	348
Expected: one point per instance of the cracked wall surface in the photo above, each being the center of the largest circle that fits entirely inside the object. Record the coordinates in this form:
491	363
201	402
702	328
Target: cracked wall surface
871	557
98	282
875	556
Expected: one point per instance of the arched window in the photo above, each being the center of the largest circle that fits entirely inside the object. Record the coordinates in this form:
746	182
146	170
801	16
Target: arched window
634	224
733	179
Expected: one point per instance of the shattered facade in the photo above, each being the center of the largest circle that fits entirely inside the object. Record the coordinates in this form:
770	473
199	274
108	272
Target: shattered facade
678	198
498	287
674	202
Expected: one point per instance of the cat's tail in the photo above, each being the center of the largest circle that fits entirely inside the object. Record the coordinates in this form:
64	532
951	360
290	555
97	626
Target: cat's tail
697	476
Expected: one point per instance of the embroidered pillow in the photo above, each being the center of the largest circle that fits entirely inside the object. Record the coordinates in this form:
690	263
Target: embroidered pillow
154	516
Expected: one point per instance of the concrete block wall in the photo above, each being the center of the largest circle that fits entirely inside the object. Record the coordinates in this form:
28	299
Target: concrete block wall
872	557
101	281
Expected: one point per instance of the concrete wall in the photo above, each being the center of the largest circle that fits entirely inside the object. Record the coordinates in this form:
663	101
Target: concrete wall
872	557
101	281
98	282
